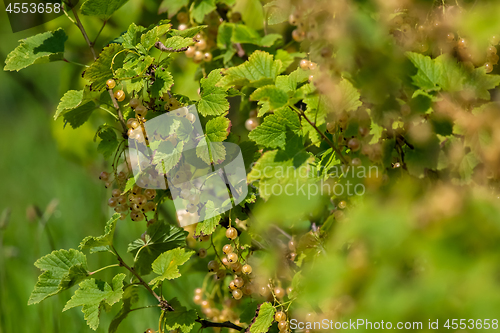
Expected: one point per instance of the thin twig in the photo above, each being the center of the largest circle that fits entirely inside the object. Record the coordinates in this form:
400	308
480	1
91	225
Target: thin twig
84	33
141	281
99	33
337	151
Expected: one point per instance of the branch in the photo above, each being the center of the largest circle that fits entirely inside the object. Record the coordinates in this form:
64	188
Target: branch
337	151
163	303
84	33
205	323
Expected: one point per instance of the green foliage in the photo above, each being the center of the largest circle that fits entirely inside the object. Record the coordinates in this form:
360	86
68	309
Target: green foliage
182	318
38	49
264	319
104	241
103	9
213	100
160	237
62	270
92	294
167	263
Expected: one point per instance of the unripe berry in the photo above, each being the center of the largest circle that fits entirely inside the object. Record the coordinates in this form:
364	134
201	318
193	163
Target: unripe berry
110	84
231	233
342	204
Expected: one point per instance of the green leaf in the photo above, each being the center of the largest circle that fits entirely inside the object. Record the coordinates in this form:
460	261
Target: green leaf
272	132
62	270
290	83
428	73
211	152
178	42
188	33
264	318
167	156
200	8
100	71
163	82
109	143
133	36
167	265
209	225
287	58
91	242
273	167
260	70
38	49
149	38
80	115
243	34
480	83
74	99
213	100
180	319
160	237
216	129
423	156
130	296
276	96
130	184
348	98
92	293
171	7
103	9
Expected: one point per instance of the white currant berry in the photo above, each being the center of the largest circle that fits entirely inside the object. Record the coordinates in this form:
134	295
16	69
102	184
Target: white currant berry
228	248
238	282
282	326
198	56
198	291
190	52
232	257
279	292
342	204
197	299
236	267
251	124
237	294
119	95
232	285
112	202
280	316
110	84
231	233
220	274
291	245
207	57
246	269
304	64
201	45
